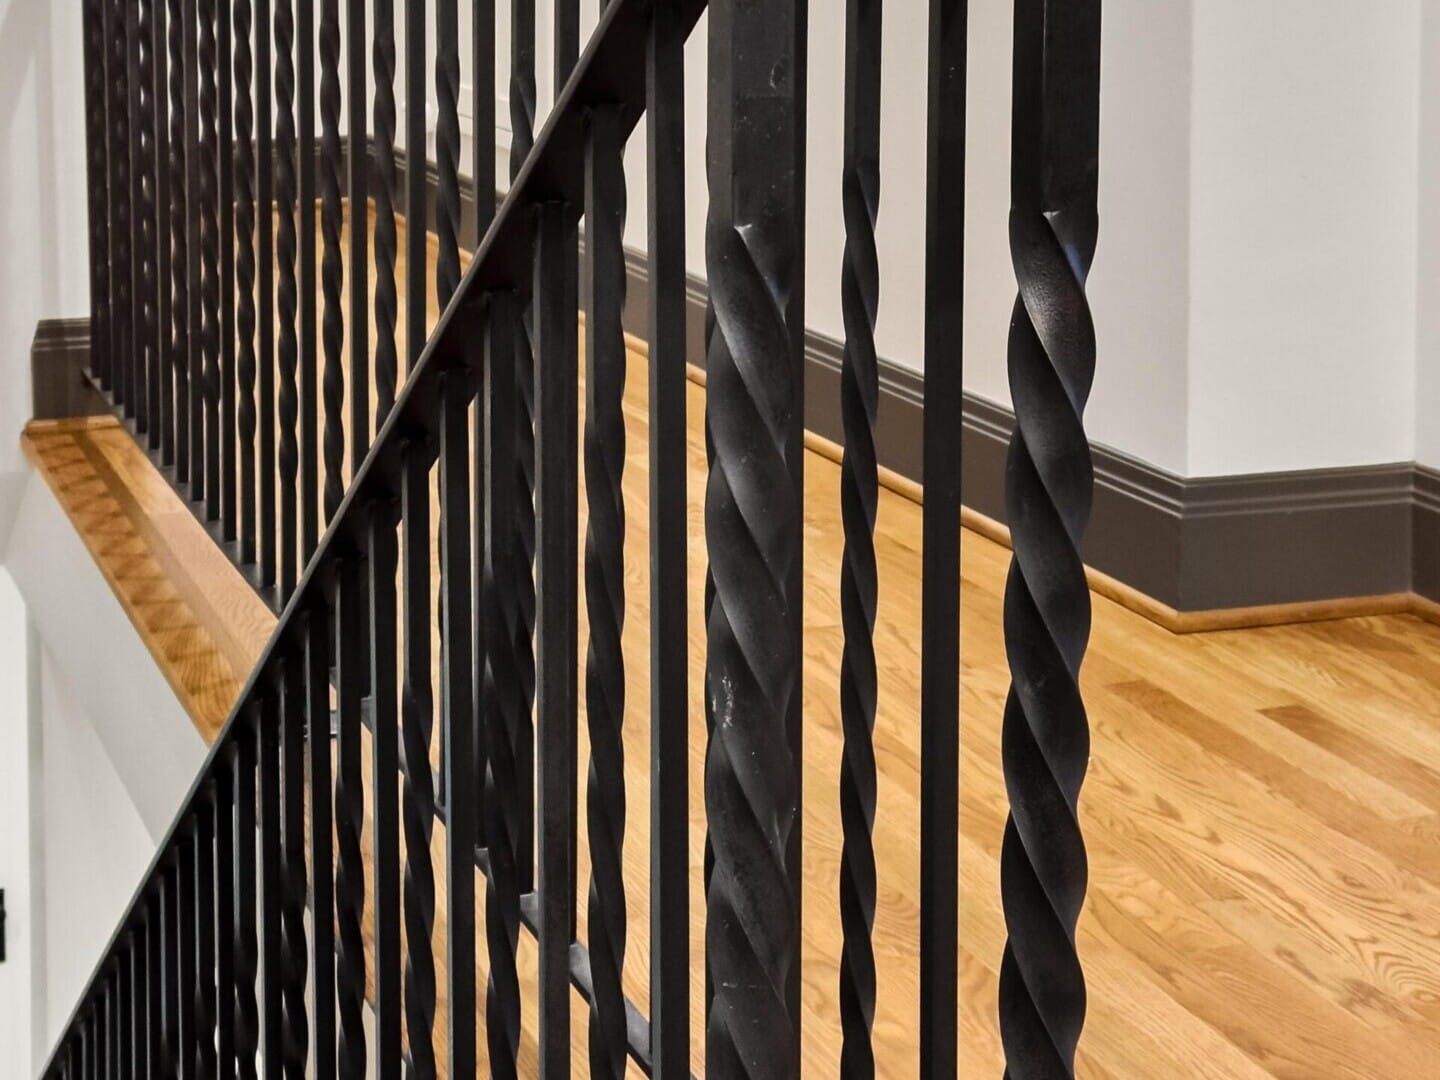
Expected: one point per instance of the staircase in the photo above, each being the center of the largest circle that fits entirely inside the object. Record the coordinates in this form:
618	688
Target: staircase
380	863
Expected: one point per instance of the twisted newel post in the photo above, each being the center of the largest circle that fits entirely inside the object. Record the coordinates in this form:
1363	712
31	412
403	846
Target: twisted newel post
1049	482
754	411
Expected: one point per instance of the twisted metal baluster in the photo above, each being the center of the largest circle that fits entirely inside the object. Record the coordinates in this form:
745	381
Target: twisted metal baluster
522	139
96	136
386	301
247	1011
287	256
605	587
503	699
753	529
295	1029
349	820
179	289
1045	740
121	221
245	270
210	252
859	397
147	233
206	1063
447	150
418	802
332	270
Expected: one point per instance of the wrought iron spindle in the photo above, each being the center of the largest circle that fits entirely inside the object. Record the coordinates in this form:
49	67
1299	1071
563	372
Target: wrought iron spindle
349	820
247	1010
332	268
447	151
940	583
272	884
229	508
164	153
186	1002
417	713
138	1063
206	1064
522	140
859	494
225	922
194	358
1049	483
753	526
265	290
459	731
605	585
318	647
155	986
295	1031
669	651
359	238
210	252
309	295
147	233
417	258
556	495
179	351
482	115
97	136
386	300
245	278
136	377
382	559
503	694
119	338
287	250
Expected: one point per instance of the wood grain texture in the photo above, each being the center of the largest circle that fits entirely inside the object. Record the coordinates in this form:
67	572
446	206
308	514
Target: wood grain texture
1263	809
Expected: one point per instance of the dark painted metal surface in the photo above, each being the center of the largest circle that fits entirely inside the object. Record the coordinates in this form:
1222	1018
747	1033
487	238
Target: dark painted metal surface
1049	483
245	275
287	255
332	267
383	136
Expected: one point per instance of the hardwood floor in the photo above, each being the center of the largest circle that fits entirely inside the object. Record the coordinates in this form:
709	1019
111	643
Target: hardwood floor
1262	813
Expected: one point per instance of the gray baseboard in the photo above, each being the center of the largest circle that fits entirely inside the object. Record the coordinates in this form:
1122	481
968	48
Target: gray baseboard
59	356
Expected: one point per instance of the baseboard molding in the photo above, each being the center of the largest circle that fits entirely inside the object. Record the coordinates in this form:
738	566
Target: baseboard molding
59	356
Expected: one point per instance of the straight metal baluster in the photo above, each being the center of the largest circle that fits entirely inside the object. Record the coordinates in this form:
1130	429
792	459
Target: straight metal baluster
245	181
135	1062
119	209
247	896
225	79
384	786
210	253
309	298
417	715
522	139
753	522
170	960
271	900
155	986
186	1004
349	818
482	115
416	255
97	138
1049	485
138	379
383	15
669	649
225	923
359	262
556	406
265	231
605	584
124	1005
179	349
447	151
940	528
859	496
318	646
206	950
288	254
160	216
332	269
146	232
295	1037
460	732
505	704
194	358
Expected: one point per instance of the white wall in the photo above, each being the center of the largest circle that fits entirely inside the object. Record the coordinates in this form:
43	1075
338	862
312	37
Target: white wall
16	847
1427	293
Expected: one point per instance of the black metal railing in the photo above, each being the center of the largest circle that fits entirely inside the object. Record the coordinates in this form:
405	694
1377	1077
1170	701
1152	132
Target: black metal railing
204	175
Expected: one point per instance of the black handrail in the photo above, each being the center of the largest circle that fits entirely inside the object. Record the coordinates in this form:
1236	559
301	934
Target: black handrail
490	403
